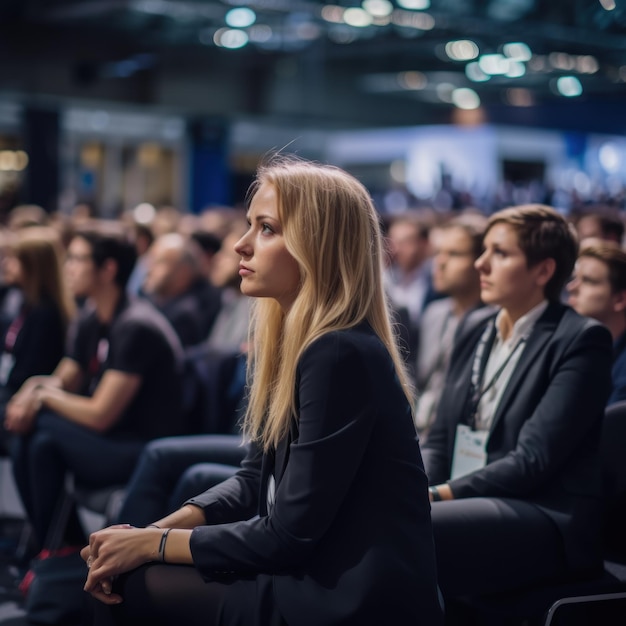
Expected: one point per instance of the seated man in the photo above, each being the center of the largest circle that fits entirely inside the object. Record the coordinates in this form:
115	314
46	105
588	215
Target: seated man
598	290
118	387
175	285
173	469
512	457
458	245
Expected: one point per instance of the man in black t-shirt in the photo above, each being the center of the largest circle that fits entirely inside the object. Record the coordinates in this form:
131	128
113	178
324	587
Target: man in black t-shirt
119	386
138	342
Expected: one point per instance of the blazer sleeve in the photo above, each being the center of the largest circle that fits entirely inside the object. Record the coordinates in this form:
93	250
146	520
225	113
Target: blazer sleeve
557	428
336	417
236	498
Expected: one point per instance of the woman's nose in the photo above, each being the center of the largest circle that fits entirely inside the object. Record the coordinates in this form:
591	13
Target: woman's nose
480	262
242	247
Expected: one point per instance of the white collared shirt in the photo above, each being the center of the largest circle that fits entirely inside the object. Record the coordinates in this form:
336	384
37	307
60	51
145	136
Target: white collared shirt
502	350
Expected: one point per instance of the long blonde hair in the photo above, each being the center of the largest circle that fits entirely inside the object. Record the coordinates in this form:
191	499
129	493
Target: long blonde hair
39	251
331	229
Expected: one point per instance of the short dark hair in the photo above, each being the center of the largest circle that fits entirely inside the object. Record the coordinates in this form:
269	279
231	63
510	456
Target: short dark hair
473	226
614	258
208	242
542	233
422	228
109	243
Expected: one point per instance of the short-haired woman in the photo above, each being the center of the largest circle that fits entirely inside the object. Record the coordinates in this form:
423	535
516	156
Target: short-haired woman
512	457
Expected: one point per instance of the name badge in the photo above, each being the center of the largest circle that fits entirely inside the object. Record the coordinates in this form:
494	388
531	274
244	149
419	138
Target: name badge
469	451
7	361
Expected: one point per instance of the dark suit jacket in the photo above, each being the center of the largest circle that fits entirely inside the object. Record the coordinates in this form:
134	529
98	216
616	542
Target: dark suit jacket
543	442
618	373
348	539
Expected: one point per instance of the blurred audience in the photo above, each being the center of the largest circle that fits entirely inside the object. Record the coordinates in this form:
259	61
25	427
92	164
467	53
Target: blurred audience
143	239
457	246
34	341
600	224
408	280
175	285
118	387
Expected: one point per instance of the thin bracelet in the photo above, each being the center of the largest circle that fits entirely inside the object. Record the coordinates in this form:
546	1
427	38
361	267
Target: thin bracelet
161	554
434	492
152	526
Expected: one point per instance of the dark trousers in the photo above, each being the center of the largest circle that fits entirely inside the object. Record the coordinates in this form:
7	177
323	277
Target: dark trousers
171	595
42	459
174	469
486	545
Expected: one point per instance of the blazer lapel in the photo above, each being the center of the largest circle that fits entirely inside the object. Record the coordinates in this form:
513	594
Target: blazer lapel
541	333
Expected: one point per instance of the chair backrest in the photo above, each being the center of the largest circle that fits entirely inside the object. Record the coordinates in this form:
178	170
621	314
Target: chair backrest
211	393
613	453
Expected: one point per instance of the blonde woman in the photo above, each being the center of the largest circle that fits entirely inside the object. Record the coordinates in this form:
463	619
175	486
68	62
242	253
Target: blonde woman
34	340
328	521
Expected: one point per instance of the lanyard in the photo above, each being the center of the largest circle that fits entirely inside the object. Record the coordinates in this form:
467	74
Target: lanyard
479	366
12	332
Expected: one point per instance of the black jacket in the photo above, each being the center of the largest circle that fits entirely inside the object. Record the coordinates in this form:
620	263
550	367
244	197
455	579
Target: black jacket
348	539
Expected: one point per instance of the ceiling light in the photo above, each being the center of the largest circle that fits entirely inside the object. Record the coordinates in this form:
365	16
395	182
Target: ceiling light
333	13
416	5
569	86
608	5
493	64
561	61
462	50
421	21
587	64
230	38
465	98
516	69
378	8
240	18
517	51
475	74
357	18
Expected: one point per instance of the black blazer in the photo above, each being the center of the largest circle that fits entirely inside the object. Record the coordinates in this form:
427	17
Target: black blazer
348	539
543	442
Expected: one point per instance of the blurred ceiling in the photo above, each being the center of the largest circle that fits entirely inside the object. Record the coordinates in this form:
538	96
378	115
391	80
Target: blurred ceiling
374	62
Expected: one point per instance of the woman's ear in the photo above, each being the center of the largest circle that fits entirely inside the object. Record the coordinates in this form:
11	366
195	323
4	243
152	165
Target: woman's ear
545	271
